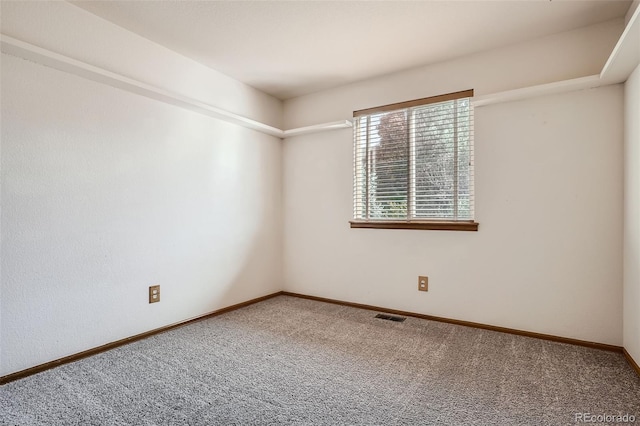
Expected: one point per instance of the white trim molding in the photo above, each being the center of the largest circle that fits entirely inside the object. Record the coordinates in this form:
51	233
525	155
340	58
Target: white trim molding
588	82
12	46
15	47
625	56
622	61
341	124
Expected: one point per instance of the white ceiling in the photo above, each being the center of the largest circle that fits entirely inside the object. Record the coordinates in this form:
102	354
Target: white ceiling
291	48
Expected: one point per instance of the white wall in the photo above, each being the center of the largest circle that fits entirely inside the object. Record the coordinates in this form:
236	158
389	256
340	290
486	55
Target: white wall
60	27
547	256
634	5
105	193
632	216
568	55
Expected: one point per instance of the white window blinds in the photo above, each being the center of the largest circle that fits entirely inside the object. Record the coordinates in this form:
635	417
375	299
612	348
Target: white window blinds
413	161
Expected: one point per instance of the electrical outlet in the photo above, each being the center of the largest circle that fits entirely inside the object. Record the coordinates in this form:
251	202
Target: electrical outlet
154	293
423	283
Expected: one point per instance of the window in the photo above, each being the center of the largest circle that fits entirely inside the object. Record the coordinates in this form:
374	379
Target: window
413	164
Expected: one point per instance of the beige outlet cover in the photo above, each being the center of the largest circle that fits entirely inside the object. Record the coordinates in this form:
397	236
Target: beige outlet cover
423	283
154	293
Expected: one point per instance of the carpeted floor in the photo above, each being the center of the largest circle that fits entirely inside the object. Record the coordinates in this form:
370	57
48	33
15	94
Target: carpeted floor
299	362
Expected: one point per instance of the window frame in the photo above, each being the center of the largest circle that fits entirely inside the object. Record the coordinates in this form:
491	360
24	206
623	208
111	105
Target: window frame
410	222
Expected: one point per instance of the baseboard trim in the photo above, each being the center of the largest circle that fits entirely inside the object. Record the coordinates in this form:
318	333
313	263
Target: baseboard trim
631	361
94	351
594	345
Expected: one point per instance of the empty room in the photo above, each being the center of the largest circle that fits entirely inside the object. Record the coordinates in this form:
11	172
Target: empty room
320	212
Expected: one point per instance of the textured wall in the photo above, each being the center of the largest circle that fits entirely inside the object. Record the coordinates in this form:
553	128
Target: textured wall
563	56
68	30
105	193
632	216
547	257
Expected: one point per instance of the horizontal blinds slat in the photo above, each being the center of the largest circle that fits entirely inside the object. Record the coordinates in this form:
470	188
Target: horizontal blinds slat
405	163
